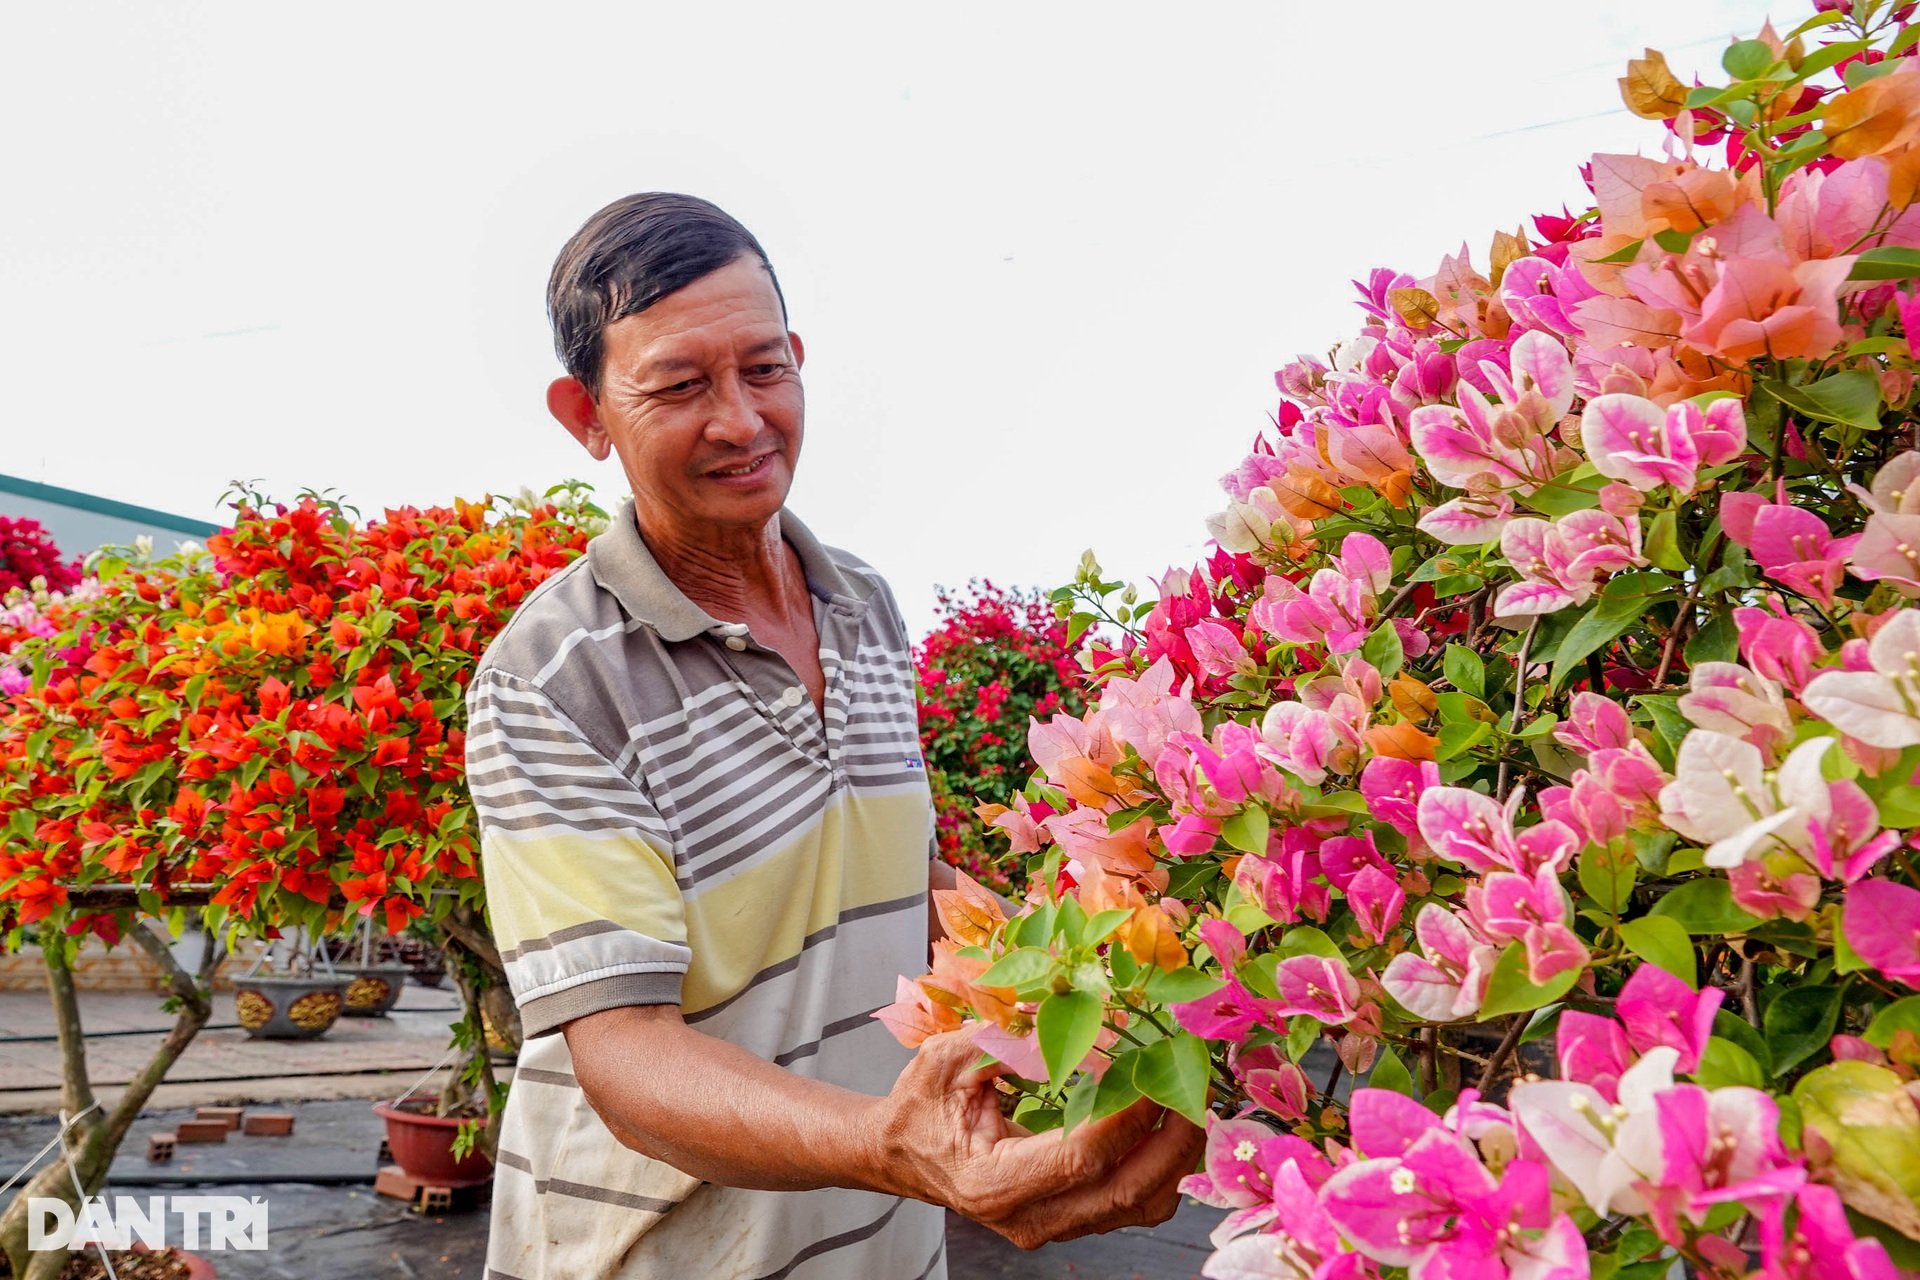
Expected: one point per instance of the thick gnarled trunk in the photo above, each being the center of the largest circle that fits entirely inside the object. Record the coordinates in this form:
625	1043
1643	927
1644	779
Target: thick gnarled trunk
94	1132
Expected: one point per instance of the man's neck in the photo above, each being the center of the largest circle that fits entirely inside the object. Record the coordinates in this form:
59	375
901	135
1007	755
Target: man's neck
735	575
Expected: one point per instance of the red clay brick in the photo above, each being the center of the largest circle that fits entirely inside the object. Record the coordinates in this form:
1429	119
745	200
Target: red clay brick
200	1131
269	1124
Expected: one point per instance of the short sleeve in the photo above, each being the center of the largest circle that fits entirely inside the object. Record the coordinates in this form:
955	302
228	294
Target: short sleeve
580	883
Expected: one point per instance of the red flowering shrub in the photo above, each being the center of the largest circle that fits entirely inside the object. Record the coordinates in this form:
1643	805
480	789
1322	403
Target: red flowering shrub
27	552
280	716
996	658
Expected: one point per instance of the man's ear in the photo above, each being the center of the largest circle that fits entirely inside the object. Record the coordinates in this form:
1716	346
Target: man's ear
569	401
799	348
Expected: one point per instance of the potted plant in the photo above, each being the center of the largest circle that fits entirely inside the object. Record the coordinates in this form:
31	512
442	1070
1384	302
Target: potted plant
268	729
374	976
298	1003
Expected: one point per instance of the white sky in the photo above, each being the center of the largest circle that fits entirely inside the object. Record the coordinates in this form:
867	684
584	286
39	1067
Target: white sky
1046	258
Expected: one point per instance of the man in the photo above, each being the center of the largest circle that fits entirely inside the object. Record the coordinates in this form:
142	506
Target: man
705	826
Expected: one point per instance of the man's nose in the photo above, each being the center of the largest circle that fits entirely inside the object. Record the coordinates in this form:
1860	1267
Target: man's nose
734	419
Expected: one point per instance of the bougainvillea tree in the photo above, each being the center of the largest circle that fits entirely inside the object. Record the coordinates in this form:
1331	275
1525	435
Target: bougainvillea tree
271	728
995	660
1557	678
29	560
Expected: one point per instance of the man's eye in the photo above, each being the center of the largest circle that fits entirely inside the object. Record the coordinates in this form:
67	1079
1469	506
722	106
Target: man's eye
679	388
767	370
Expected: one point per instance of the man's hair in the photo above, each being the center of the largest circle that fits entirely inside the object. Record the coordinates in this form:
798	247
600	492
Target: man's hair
630	255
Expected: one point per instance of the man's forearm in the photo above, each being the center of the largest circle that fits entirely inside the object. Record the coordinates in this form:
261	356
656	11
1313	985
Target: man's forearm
719	1113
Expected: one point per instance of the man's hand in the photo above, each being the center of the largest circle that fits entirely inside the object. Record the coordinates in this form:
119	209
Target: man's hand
943	1139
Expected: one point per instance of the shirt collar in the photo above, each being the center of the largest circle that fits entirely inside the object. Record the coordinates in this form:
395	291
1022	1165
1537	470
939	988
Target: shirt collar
622	563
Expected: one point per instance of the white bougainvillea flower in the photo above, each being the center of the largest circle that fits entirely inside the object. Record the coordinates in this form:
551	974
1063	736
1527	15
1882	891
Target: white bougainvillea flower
1880	707
1723	796
1726	697
1601	1148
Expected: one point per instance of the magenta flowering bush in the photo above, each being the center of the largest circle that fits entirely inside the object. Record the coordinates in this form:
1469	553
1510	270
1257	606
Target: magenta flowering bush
1550	707
27	553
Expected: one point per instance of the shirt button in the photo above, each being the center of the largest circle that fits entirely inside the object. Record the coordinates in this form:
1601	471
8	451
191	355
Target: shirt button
793	697
736	643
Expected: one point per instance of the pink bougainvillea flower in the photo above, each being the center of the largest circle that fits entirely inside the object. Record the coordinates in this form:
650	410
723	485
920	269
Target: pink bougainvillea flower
1762	308
1821	1245
1317	986
1717	1147
1307	743
913	1016
1881	707
1448	981
1433	1206
1344	857
1334	611
1272	1080
1377	901
1219	650
1632	439
1657	1008
1723	796
1392	789
1725	697
1141	713
1882	921
1594	722
1593	1051
1532	912
1792	546
1888	550
1848	842
1477	832
1777	646
1562	563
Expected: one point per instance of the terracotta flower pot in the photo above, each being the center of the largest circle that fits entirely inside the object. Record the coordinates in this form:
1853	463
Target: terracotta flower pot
422	1145
288	1008
371	989
198	1268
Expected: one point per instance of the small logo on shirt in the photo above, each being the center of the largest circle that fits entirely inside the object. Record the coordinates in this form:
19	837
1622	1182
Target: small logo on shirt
914	762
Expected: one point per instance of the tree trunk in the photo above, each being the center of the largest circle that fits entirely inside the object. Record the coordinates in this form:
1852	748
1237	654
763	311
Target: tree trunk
94	1133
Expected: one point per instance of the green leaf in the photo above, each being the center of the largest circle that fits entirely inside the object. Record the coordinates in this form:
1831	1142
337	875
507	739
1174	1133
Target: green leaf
1068	1023
1384	651
1178	986
1509	990
1174	1072
1723	1063
1898	1016
1888	262
1598	627
1305	940
1731	1026
1391	1073
1302	1032
1021	967
1704	906
1247	830
1663	542
1662	941
1101	927
1747	59
1458	738
1607	875
1117	1088
1718	641
1799	1023
1668	723
1627	253
1829	55
1900	805
1465	671
1577	489
1851	398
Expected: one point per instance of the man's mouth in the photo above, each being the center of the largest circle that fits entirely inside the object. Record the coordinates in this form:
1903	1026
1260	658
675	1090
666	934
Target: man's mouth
746	469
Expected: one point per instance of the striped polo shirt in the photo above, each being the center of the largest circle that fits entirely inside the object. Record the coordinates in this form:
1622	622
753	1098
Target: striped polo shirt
665	819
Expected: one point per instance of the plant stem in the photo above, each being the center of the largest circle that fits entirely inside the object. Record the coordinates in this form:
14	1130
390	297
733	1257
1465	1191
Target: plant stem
1500	1055
1519	697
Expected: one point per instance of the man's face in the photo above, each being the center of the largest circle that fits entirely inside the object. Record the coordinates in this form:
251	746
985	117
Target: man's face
700	396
